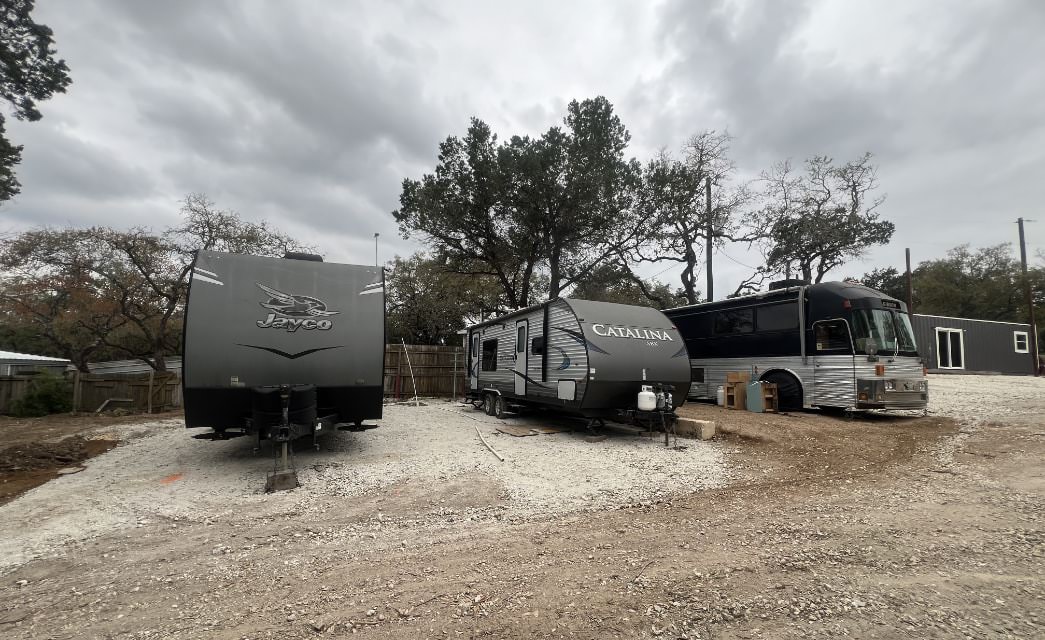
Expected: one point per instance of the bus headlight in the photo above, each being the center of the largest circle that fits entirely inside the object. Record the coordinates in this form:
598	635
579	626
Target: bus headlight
890	385
921	385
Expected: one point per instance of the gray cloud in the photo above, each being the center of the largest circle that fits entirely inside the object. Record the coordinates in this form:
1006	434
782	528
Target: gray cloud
311	114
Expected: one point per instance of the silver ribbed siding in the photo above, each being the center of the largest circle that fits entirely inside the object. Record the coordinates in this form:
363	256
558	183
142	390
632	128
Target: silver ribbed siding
836	376
561	349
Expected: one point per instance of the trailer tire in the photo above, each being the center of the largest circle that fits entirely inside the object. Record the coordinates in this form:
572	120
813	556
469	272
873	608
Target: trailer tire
789	391
488	400
498	407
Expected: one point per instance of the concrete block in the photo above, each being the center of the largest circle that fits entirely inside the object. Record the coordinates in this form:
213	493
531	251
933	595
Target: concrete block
692	428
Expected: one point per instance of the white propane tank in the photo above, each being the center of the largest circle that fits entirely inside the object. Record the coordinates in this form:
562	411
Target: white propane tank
720	396
647	399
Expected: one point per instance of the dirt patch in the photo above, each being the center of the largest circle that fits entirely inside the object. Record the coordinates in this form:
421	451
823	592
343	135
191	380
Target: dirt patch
55	427
25	466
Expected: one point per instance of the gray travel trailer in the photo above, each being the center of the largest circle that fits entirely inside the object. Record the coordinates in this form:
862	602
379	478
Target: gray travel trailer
282	348
576	356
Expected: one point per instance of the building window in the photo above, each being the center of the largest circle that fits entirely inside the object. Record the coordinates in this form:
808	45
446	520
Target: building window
1022	341
950	348
489	355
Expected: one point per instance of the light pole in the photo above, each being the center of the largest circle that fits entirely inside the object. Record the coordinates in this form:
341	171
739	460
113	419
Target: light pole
376	263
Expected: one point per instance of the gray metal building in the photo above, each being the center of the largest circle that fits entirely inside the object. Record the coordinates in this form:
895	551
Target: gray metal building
963	345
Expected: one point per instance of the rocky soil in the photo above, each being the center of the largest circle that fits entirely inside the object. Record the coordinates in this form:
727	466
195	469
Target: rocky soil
785	526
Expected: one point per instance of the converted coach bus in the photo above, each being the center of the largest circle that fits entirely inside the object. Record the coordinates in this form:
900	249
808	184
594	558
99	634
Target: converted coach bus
832	345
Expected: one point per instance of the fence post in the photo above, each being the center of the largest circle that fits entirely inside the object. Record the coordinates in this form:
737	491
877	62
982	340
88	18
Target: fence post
152	376
76	391
454	396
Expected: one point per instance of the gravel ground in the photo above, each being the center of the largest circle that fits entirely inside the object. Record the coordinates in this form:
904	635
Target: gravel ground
787	526
163	473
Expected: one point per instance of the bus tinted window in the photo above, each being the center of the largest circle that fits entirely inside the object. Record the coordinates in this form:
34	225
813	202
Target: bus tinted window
735	321
778	317
832	335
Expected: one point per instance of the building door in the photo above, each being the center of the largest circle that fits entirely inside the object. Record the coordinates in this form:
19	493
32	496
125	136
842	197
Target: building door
834	371
950	348
473	363
521	332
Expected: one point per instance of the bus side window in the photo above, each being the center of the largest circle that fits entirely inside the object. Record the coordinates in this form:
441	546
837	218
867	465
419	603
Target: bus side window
832	335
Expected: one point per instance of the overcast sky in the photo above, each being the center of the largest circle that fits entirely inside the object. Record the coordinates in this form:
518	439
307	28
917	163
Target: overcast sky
310	114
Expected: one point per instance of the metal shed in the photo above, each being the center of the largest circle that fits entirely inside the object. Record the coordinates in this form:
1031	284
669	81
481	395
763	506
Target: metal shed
13	364
964	345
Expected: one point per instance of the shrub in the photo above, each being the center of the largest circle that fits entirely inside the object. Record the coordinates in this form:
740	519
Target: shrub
47	393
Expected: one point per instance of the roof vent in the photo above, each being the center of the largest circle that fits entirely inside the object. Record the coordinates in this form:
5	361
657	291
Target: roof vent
787	284
300	255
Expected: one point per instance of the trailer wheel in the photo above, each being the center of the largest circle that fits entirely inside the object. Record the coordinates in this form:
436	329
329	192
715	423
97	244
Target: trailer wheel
789	391
498	407
488	400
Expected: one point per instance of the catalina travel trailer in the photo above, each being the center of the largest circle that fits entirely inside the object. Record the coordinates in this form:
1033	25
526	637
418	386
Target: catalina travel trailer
592	359
282	348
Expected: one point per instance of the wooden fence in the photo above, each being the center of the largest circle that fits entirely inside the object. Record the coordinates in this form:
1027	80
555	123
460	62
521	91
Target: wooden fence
434	369
437	371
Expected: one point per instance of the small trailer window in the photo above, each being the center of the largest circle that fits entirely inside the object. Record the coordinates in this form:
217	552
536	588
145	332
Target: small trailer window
1022	341
537	345
489	355
520	338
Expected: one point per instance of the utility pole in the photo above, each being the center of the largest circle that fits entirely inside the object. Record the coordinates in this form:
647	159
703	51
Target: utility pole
1028	297
376	263
910	297
711	236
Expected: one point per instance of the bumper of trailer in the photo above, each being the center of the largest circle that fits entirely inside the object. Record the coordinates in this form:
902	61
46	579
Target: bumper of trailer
892	393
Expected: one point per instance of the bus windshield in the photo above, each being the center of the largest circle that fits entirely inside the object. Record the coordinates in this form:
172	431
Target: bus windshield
890	330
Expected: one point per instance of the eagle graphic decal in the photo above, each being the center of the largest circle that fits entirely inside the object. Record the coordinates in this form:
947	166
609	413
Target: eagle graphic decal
295	306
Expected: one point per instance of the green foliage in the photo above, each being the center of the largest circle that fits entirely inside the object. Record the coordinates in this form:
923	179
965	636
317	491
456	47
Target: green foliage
615	282
887	280
47	393
551	208
28	72
428	303
984	284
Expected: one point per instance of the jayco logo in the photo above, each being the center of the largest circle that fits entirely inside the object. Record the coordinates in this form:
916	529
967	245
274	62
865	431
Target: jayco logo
293	312
630	332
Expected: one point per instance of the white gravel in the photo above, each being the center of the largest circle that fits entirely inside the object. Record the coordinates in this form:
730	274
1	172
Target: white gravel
976	400
162	472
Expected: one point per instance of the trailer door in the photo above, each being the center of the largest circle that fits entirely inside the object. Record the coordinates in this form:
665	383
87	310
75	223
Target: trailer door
521	332
473	363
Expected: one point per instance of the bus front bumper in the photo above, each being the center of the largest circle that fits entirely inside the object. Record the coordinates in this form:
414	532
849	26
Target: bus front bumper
892	393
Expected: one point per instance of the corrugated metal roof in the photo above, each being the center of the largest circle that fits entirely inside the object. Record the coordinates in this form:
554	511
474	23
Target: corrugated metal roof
27	357
131	366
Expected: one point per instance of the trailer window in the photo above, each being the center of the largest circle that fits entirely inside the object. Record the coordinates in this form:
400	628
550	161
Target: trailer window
537	345
832	335
778	317
520	338
489	355
731	321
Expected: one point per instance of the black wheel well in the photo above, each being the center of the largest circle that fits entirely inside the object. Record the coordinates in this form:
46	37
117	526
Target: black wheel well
768	376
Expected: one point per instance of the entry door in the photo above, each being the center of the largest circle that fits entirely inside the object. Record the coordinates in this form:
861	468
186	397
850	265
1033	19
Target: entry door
473	363
950	348
834	383
521	333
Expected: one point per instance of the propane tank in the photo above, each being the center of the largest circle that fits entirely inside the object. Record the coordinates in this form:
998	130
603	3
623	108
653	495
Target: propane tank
647	399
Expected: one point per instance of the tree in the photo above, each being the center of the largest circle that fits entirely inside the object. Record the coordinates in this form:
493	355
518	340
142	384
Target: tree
615	282
428	304
555	206
125	290
28	72
674	207
983	284
887	280
462	212
822	219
